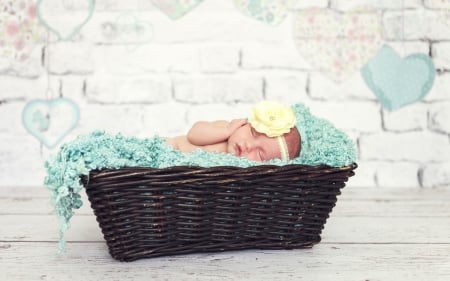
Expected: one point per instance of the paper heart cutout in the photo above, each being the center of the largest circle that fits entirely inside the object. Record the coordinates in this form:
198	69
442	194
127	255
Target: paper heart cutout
132	31
21	30
268	11
175	9
399	81
50	121
337	44
64	31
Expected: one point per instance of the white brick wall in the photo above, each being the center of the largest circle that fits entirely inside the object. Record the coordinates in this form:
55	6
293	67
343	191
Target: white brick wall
214	63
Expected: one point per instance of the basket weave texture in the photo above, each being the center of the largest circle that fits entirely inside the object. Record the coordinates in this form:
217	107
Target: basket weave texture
150	212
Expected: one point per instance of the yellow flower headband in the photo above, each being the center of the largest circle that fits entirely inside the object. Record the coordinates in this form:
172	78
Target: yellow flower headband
273	119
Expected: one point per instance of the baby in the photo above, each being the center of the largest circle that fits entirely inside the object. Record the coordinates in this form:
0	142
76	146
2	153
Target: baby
268	133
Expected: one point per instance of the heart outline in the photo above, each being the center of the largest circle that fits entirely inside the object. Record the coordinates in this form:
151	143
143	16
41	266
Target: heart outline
74	31
136	24
27	119
386	53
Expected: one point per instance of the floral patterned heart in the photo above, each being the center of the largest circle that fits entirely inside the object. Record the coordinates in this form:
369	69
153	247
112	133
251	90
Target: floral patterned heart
268	11
50	121
337	44
62	19
399	81
20	29
175	9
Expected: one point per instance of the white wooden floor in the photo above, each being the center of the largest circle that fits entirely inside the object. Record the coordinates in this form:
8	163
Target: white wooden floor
372	234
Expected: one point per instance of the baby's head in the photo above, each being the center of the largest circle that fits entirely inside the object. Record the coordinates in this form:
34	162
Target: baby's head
269	134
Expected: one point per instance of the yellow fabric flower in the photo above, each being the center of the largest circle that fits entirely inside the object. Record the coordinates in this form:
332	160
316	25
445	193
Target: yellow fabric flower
272	118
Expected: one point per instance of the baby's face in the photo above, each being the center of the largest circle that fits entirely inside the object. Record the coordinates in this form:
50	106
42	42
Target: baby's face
248	143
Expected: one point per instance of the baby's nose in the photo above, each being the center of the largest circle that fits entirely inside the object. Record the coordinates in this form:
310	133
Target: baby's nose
249	146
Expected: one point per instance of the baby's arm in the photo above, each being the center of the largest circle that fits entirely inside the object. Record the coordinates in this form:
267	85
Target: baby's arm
206	133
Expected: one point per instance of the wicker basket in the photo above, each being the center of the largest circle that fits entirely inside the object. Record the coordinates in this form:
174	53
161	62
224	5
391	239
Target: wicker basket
148	212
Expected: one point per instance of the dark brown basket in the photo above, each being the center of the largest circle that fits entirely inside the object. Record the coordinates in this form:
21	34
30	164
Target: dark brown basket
148	212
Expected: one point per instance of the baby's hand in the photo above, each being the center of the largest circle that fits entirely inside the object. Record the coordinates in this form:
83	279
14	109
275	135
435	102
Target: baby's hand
236	124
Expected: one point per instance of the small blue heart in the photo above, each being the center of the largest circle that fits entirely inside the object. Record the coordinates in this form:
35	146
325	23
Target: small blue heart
75	29
50	121
398	81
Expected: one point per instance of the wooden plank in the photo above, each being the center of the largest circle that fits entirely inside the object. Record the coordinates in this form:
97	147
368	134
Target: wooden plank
348	193
344	208
34	206
24	191
90	261
337	229
416	203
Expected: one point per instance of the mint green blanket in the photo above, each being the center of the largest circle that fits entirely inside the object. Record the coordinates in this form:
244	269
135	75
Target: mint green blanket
322	143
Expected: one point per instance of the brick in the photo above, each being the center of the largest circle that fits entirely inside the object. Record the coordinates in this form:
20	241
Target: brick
213	112
21	88
436	4
415	25
411	146
441	55
11	117
400	174
214	21
72	86
409	118
117	5
440	117
166	119
284	56
405	49
129	89
437	28
29	68
218	88
407	25
286	87
354	88
219	58
364	175
113	119
436	175
383	4
357	116
149	58
203	25
68	57
310	4
439	91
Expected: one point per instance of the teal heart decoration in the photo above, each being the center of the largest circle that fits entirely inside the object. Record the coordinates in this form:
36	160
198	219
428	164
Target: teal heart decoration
398	81
176	9
268	11
50	121
75	29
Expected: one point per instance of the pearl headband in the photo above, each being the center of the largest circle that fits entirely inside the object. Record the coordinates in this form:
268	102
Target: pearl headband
283	148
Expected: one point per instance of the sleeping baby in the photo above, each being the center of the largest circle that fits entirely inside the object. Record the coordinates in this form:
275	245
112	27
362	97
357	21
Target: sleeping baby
269	133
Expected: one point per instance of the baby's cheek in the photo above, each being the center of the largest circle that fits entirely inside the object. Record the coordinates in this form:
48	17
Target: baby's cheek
253	156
